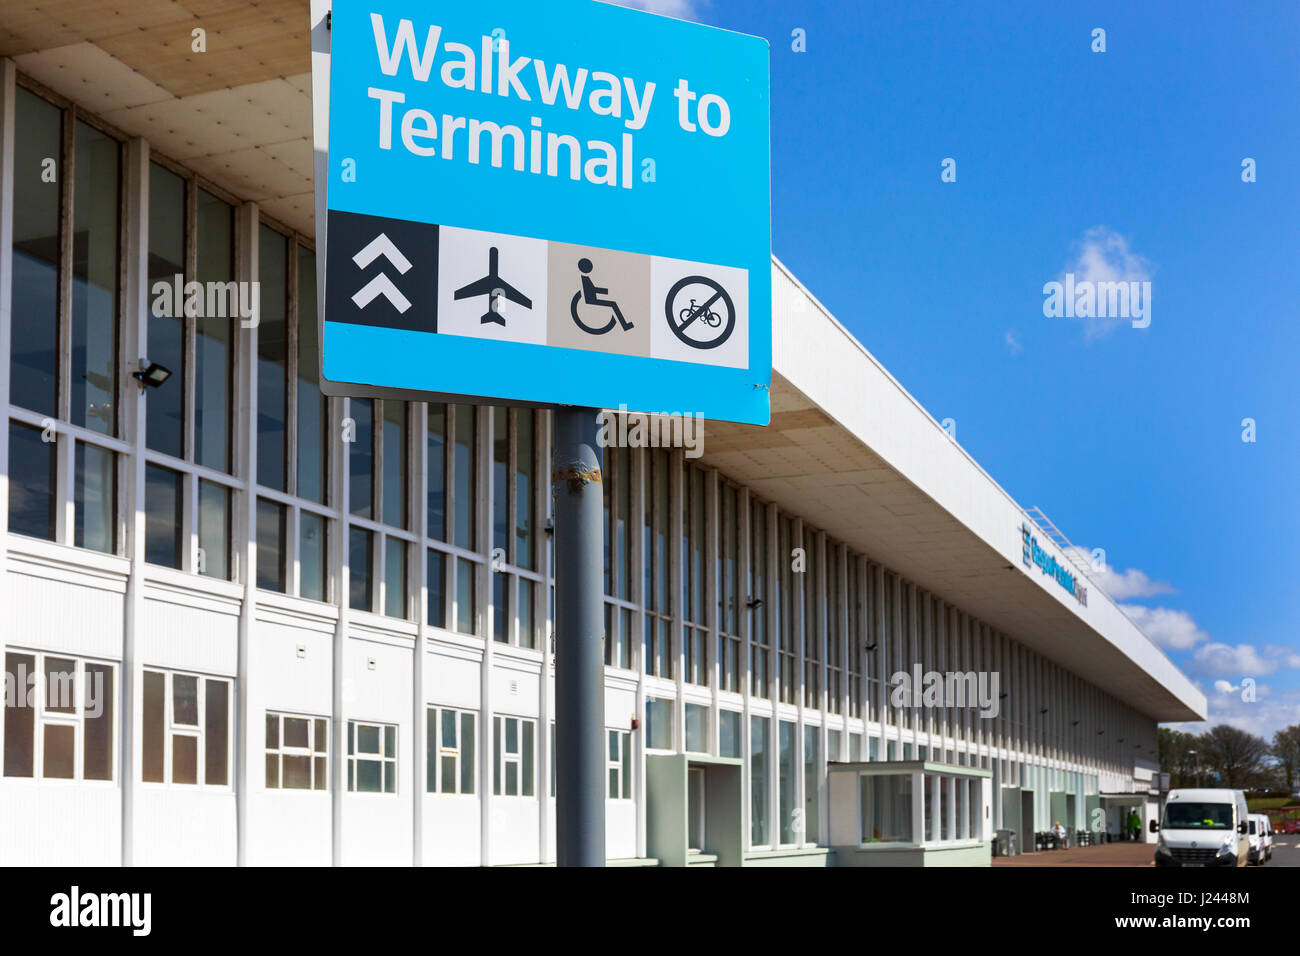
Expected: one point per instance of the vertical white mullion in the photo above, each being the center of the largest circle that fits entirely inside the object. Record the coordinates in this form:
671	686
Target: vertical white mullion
744	546
639	461
134	332
481	502
66	458
417	499
542	614
8	83
712	554
245	540
188	370
677	630
67	172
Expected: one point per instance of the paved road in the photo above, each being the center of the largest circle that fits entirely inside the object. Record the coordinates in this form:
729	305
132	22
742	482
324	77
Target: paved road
1286	852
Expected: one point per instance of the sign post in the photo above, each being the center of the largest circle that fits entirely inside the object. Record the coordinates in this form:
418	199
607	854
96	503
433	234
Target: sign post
576	481
564	204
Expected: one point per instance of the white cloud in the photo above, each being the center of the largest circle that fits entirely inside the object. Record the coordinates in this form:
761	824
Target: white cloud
1104	256
682	9
1286	656
1168	627
1267	713
1013	343
1224	687
1225	660
1133	583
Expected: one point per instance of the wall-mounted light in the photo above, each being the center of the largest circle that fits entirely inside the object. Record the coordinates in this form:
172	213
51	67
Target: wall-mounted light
151	374
753	603
871	647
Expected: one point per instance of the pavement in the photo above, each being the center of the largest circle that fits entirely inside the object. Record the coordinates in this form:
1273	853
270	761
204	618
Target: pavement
1286	853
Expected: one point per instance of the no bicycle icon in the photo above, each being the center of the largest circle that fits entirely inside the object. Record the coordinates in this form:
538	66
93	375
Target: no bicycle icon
700	312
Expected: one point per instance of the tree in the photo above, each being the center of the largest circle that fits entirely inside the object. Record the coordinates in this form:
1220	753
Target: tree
1235	755
1178	756
1286	748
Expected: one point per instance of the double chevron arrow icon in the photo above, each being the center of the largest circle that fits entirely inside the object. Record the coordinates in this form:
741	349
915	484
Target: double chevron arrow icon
381	245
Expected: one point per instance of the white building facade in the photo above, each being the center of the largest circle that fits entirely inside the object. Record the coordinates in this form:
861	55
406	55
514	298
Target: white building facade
270	627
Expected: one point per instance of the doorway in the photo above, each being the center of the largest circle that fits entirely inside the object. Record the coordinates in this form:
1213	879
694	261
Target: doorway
1027	821
695	809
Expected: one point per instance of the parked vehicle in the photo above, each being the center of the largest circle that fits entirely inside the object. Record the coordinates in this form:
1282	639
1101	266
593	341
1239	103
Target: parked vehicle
1261	839
1203	827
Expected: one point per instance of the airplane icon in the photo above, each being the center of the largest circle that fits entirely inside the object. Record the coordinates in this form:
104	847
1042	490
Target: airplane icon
493	286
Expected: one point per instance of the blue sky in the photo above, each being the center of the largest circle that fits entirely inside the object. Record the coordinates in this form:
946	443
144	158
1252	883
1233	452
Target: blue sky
1123	164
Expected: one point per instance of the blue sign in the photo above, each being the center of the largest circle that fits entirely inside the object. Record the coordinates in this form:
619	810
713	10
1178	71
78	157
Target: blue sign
564	203
1033	553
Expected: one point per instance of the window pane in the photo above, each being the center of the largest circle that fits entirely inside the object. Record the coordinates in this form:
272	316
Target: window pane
500	478
322	773
271	545
34	347
296	732
93	383
165	405
59	761
185	700
297	772
394	577
20	717
527	763
659	724
369	778
214	530
729	741
449	774
627	766
394	470
216	731
95	498
464	478
466	619
367	739
272	359
153	726
431	750
786	780
390	741
500	607
272	732
525	612
467	745
359	563
60	685
272	771
214	334
31	482
322	736
313	407
311	556
811	781
524	472
162	521
437	466
185	759
97	759
697	728
361	452
435	573
390	777
759	790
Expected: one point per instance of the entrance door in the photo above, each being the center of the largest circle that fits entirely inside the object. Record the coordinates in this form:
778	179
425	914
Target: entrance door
695	809
1026	821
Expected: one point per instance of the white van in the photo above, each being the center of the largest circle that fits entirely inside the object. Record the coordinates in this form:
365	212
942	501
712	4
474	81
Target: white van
1261	839
1203	828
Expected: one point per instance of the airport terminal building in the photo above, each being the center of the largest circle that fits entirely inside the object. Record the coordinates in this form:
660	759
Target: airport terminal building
244	623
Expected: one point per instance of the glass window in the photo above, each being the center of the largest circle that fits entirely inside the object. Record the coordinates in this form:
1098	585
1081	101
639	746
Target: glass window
697	728
214	335
297	752
760	736
466	592
214	529
524	505
95	268
31	482
394	470
313	407
162	521
361	458
788	815
619	757
436	574
812	774
449	741
833	746
272	358
394	577
312	556
464	476
886	807
372	757
436	494
271	550
360	561
730	743
513	743
34	346
58	718
659	724
179	748
500	480
165	405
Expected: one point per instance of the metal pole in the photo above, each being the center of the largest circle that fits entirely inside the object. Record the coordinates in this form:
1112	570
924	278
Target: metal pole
579	640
